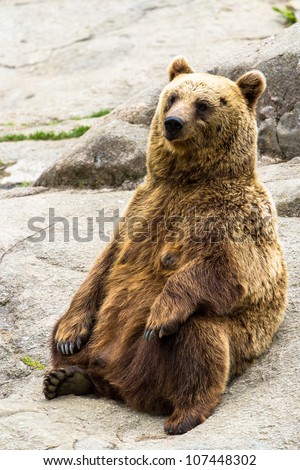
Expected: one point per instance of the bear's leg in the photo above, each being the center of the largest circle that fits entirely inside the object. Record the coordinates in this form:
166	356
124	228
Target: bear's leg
199	373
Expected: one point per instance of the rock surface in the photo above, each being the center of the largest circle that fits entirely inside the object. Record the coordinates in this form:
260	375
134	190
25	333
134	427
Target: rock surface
111	154
80	57
29	158
283	182
278	119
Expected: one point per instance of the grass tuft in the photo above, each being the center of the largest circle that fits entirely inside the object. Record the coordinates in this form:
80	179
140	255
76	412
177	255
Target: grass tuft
100	113
24	184
13	137
28	361
51	135
288	13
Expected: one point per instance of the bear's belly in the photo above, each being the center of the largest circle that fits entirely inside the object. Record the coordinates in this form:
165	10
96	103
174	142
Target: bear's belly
136	279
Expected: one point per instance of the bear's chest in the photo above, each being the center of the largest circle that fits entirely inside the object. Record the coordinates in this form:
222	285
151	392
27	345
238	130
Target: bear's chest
162	234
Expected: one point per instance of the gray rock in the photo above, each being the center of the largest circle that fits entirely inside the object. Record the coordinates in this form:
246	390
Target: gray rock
288	133
140	109
112	153
28	159
283	182
268	140
92	443
109	155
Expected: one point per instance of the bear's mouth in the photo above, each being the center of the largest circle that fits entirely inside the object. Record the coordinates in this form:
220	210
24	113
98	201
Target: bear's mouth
171	139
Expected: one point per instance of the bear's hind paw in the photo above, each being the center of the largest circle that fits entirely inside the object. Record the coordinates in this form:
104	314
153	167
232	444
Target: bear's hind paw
64	382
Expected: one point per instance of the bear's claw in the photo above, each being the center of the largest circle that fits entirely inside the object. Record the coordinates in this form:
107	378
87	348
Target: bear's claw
149	333
164	330
69	340
69	347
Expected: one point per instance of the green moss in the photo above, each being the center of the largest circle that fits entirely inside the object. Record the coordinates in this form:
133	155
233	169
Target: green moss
24	184
51	135
13	137
288	13
100	113
28	361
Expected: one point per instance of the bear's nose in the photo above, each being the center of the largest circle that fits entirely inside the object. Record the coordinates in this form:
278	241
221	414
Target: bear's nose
173	126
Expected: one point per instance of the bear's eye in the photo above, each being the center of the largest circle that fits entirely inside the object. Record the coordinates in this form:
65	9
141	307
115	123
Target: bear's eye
201	106
172	99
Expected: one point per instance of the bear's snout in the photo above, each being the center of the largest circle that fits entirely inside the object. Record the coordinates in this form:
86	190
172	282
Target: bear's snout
173	127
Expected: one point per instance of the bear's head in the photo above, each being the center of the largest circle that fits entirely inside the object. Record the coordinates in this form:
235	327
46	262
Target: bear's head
205	124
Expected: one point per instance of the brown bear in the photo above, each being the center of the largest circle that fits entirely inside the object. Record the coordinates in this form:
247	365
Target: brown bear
192	288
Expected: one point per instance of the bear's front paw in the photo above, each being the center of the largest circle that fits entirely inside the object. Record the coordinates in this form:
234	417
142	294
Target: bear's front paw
70	338
154	329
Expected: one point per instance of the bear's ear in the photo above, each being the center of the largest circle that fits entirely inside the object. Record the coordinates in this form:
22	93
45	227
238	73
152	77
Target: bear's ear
178	66
252	85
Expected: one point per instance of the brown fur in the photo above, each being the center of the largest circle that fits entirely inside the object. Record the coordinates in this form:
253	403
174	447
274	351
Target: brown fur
193	287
